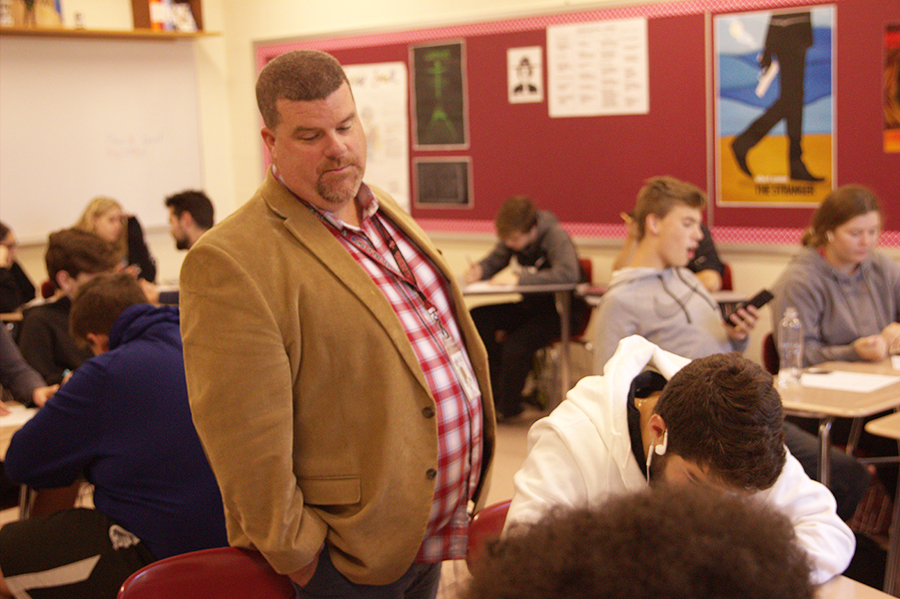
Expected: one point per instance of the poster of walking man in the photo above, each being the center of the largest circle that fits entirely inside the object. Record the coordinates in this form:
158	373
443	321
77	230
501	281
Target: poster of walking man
774	109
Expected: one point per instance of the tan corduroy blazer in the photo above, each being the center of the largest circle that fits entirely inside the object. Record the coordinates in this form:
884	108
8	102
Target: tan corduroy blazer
306	393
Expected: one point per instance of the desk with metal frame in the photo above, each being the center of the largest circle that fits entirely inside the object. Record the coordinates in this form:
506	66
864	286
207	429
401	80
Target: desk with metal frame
562	293
828	404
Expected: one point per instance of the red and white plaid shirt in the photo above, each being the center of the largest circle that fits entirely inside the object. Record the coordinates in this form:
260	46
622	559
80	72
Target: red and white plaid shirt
459	419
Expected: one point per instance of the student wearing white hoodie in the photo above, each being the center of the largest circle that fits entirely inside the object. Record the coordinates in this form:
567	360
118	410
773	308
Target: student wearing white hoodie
656	296
718	422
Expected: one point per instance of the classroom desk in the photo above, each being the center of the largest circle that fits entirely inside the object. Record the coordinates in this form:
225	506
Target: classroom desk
889	426
841	587
12	422
827	404
562	293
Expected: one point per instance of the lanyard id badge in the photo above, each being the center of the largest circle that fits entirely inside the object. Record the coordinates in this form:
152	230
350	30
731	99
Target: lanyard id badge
464	373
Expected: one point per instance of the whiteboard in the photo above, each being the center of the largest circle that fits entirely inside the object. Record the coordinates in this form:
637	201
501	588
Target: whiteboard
82	118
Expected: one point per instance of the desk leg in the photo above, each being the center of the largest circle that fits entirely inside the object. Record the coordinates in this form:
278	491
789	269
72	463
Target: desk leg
825	450
564	307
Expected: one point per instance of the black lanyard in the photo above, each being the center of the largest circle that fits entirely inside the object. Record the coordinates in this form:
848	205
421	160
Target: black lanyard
405	274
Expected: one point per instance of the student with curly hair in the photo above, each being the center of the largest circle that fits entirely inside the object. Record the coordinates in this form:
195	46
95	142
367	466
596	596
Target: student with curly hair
667	542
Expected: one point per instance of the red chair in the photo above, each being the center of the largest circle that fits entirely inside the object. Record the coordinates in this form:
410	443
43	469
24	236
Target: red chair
222	573
726	278
485	526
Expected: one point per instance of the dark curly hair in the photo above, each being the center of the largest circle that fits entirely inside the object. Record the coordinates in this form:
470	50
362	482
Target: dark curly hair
669	542
722	411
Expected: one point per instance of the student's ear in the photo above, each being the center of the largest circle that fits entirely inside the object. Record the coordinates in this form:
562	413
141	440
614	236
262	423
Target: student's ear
186	220
64	282
652	224
657	427
98	342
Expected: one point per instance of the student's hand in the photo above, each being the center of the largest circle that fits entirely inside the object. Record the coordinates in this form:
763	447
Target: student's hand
871	348
630	224
744	319
133	269
150	290
3	409
42	394
473	273
891	334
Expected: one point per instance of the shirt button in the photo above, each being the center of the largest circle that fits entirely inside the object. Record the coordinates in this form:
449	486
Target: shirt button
428	412
431	473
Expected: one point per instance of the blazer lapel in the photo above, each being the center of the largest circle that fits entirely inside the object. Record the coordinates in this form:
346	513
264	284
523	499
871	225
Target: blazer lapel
313	235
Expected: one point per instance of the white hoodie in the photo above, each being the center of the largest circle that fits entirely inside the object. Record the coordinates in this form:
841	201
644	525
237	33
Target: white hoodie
581	454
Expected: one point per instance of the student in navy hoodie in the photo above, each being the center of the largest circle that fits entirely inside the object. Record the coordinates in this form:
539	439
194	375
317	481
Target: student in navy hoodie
122	422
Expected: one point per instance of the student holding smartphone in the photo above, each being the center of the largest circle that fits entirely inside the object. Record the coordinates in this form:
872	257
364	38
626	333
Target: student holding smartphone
656	296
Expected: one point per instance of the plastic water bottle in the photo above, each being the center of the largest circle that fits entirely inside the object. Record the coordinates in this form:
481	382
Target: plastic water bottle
790	349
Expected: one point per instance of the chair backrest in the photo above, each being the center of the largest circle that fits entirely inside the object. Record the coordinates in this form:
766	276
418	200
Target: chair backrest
726	278
587	268
222	573
770	354
485	526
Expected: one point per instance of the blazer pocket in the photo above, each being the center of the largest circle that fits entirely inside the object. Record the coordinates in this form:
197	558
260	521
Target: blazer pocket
332	490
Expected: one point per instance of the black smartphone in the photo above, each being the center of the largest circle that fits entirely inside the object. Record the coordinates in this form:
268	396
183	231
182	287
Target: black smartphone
758	301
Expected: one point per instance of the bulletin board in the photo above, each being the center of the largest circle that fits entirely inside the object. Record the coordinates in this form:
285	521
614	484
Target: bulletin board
588	169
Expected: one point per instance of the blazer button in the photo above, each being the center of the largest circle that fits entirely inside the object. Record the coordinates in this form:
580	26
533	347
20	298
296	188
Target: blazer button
428	412
431	473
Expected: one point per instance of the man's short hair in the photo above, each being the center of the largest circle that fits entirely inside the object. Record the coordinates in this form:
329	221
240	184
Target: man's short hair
516	215
75	251
100	301
660	542
194	203
298	76
722	411
659	195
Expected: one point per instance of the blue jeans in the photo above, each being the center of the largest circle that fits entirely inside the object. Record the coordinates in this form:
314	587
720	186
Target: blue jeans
421	581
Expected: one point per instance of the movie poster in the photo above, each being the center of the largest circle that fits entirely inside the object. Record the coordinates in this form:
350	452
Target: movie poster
774	106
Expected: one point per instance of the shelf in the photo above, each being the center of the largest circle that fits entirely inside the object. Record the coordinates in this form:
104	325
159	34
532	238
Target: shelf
131	34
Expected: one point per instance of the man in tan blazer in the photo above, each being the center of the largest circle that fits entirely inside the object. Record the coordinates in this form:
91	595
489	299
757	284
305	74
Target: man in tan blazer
336	379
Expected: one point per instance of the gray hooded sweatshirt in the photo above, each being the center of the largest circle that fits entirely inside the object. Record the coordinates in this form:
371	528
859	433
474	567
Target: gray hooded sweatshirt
836	308
669	307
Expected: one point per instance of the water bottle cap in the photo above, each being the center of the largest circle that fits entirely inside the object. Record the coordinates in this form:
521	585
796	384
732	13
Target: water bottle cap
790	312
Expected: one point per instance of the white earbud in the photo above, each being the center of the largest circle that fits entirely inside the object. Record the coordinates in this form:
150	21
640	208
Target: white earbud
661	448
658	450
829	236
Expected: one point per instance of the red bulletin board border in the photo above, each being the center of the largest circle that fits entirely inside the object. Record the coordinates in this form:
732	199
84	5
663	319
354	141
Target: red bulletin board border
589	207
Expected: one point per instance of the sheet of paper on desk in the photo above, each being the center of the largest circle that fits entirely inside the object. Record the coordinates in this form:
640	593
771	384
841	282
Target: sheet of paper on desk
487	287
858	382
18	415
